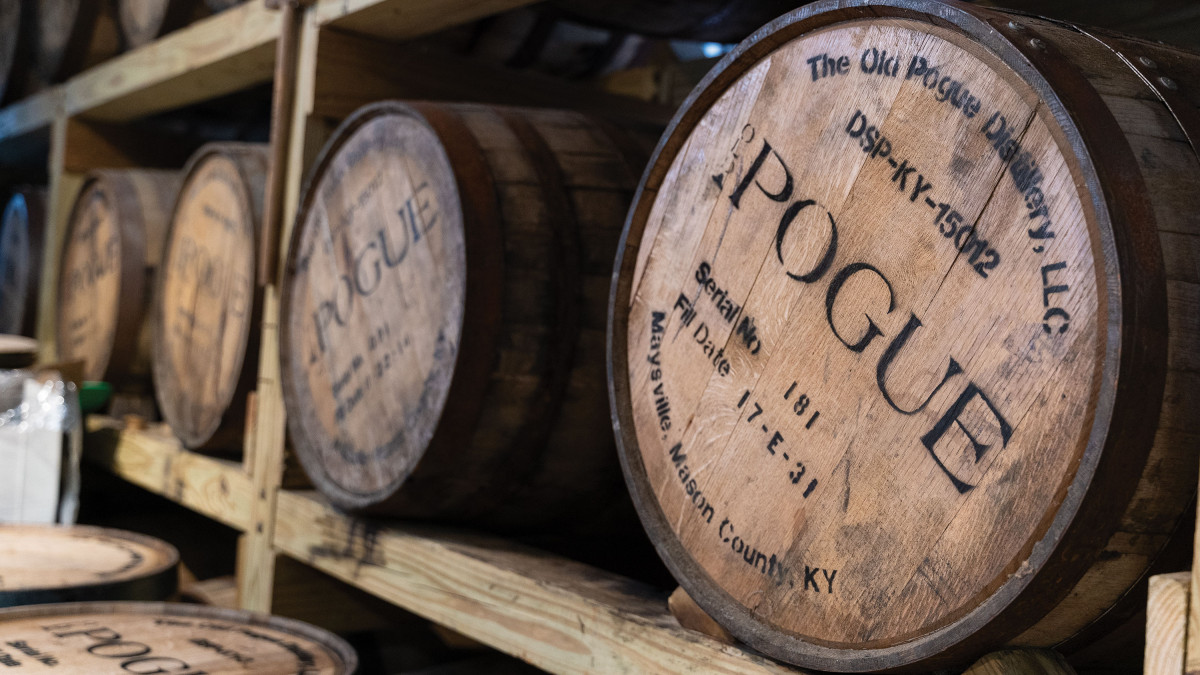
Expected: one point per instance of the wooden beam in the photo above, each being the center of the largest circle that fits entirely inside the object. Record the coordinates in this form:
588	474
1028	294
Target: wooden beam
559	615
155	460
34	113
353	70
1166	624
219	55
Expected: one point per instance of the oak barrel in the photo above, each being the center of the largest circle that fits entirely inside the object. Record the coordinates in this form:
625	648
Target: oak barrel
72	563
904	332
113	245
118	638
73	35
443	312
144	21
205	315
21	229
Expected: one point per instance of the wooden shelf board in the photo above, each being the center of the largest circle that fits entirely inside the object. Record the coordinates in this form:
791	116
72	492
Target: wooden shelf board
31	114
219	55
559	615
404	19
155	460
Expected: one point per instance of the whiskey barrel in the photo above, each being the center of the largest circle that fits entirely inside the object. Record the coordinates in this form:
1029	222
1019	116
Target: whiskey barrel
118	638
113	246
904	332
442	315
42	564
205	316
73	35
144	21
21	230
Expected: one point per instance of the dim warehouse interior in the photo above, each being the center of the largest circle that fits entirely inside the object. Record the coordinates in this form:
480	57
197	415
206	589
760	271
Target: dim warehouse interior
599	336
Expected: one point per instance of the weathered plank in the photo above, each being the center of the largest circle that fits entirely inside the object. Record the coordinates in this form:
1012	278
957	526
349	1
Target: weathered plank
559	615
155	460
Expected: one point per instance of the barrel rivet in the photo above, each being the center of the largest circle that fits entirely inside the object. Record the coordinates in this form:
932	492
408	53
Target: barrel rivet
1147	61
1037	44
1168	83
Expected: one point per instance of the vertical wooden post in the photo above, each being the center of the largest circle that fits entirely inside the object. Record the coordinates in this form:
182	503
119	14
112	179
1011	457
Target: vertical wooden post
266	435
64	186
1166	624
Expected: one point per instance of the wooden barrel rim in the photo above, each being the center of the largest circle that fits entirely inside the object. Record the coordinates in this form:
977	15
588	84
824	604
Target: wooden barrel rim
338	649
481	323
163	365
154	582
1134	289
130	227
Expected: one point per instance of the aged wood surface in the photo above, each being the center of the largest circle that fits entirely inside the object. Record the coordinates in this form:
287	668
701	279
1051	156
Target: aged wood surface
410	382
558	615
875	379
21	231
1021	662
214	56
690	616
111	250
155	460
1166	624
116	638
206	329
41	564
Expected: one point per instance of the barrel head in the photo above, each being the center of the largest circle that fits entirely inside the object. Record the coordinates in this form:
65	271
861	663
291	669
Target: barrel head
866	330
373	304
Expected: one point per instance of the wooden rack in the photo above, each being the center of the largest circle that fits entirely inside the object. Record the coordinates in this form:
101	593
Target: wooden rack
555	613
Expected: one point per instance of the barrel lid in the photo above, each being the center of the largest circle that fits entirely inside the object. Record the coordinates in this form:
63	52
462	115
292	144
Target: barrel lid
112	638
56	563
866	334
91	278
206	299
373	303
17	351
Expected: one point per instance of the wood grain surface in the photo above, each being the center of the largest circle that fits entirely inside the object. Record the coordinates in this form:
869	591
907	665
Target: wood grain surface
41	564
21	230
1166	624
207	302
113	245
444	309
115	638
879	388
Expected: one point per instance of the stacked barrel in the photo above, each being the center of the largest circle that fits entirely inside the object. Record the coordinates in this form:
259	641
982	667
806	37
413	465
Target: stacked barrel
896	359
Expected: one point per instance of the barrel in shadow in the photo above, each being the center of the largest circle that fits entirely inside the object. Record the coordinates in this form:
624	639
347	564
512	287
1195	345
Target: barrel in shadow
442	330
